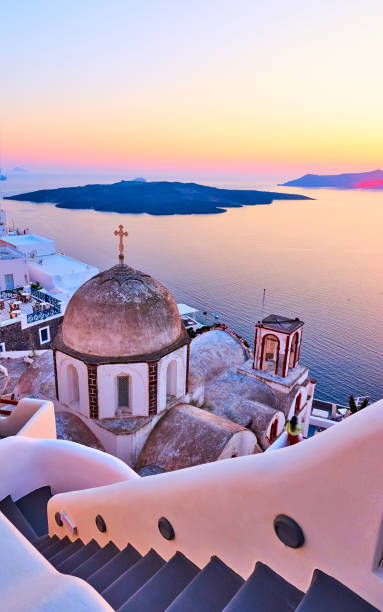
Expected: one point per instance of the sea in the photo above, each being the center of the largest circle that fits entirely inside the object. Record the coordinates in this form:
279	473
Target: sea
320	260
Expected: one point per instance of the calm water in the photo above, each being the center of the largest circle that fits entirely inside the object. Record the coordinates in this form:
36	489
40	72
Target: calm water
320	260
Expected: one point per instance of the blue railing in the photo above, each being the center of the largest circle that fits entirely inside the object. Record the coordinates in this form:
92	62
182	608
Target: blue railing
45	297
40	315
7	294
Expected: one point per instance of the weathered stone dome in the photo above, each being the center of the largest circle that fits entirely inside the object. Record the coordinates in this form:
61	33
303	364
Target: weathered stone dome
121	313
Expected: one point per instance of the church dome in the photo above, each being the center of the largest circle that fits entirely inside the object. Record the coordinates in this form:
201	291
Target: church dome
121	313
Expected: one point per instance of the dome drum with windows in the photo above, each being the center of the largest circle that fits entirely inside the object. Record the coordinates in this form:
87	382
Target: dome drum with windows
122	342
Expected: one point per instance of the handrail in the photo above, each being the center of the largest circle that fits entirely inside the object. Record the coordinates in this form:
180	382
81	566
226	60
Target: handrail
5	412
5	400
41	315
45	297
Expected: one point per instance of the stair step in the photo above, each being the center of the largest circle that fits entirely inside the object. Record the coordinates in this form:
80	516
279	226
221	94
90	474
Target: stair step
66	552
44	541
326	593
133	579
68	565
100	558
13	514
267	590
57	546
210	590
159	592
34	507
107	574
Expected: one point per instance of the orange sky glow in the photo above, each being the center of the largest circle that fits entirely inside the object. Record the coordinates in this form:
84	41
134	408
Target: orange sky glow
240	88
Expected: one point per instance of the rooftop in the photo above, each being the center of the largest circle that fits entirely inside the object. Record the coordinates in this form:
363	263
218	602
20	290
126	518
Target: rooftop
281	323
293	374
21	239
9	252
61	264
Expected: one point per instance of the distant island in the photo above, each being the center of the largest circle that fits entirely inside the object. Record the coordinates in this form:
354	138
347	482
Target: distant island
352	180
154	198
18	170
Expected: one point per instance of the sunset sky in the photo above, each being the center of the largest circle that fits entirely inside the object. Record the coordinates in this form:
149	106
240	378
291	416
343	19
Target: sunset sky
172	88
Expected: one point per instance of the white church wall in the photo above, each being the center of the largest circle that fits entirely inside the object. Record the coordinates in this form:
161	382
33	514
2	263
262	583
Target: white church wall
107	439
309	406
16	267
302	391
66	392
241	443
180	358
126	447
281	424
130	446
108	390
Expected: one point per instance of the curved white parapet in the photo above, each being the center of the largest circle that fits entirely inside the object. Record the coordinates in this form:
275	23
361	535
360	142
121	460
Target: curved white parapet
29	582
42	424
29	463
331	484
34	418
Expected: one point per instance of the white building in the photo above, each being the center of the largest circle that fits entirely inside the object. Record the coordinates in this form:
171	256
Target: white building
30	258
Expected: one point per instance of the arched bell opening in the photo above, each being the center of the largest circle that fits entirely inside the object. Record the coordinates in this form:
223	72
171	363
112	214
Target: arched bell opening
270	353
274	430
294	351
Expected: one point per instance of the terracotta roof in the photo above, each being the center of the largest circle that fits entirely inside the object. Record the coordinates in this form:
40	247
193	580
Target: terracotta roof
186	436
71	427
121	312
213	353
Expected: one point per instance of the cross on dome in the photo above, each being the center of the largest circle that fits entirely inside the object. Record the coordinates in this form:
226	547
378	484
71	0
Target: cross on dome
120	232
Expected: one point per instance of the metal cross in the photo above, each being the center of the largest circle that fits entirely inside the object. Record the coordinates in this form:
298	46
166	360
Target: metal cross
121	234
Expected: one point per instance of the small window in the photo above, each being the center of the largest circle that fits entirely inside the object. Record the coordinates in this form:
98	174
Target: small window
2	347
123	383
44	335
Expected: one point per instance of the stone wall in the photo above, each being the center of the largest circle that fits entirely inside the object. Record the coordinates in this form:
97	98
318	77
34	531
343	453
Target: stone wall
17	339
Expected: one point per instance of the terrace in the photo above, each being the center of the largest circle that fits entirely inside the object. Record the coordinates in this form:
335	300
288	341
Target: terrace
35	305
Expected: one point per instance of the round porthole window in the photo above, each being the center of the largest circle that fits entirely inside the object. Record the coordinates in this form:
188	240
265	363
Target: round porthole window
166	529
288	531
58	519
100	523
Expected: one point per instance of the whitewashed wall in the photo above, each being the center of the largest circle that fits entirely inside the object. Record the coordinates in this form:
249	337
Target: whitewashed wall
108	390
62	362
180	357
241	443
17	267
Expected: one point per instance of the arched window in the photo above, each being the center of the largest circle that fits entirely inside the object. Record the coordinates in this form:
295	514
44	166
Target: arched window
171	379
294	351
73	386
270	353
124	394
274	430
298	403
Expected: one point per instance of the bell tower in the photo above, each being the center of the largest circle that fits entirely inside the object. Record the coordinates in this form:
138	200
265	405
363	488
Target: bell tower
277	345
277	348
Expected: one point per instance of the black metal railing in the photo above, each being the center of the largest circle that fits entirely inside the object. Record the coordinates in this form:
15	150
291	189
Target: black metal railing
7	294
40	315
45	297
